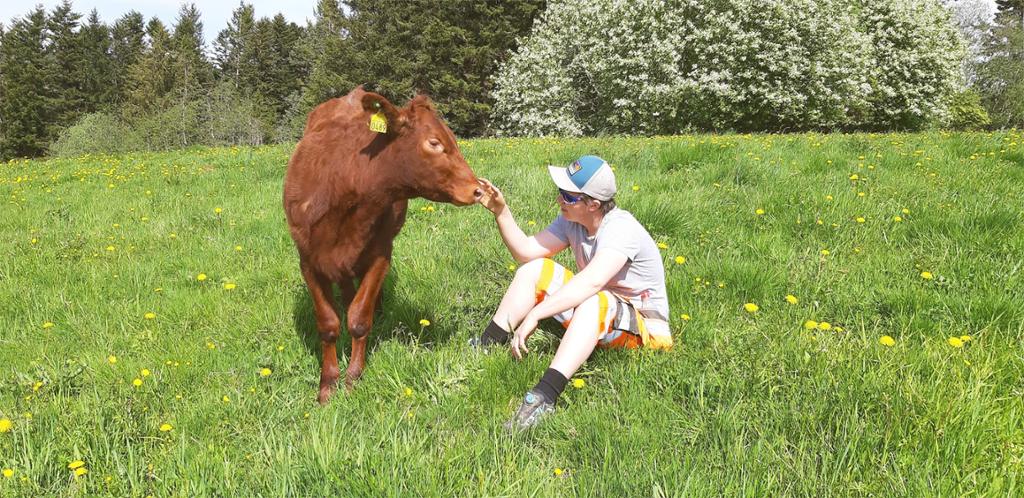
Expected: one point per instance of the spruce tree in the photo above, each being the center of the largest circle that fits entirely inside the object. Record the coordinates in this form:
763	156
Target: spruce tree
25	104
151	76
127	43
329	54
65	51
231	42
97	69
273	71
193	72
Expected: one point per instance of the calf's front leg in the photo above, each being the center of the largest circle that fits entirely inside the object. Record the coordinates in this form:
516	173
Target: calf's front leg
328	325
360	316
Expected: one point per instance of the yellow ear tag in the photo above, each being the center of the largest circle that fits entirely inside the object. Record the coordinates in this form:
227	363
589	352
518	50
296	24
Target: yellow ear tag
379	123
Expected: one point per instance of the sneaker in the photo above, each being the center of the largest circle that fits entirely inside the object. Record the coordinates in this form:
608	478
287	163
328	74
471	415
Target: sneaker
535	406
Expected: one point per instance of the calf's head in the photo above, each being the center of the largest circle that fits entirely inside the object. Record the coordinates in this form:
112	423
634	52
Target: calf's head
429	162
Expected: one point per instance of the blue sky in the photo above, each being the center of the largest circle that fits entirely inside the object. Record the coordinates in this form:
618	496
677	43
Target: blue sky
215	15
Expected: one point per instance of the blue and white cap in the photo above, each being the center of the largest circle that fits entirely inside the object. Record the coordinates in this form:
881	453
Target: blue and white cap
589	175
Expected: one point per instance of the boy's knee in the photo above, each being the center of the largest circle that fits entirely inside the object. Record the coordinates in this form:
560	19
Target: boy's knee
531	268
589	306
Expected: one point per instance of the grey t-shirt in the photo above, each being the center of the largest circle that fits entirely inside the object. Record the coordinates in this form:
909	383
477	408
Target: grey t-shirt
642	278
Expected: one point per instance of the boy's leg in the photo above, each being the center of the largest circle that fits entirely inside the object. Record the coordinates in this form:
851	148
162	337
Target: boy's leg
519	299
581	337
590	321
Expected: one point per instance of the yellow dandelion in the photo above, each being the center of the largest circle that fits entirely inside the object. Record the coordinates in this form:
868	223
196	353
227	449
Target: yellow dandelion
965	338
579	383
680	260
47	325
238	248
751	307
955	342
558	471
511	267
37	386
531	223
280	347
112	359
824	326
636	188
8	473
229	286
201	277
225	398
860	219
860	194
76	464
424	322
791	299
81	471
217	210
110	248
824	252
927	275
810	325
905	211
149	316
137	382
685	317
759	211
145	372
265	372
897	219
828	197
166	427
6	425
407	392
854	177
887	341
662	245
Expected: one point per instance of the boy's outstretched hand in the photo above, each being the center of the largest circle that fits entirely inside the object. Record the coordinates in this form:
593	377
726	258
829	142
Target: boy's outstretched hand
492	199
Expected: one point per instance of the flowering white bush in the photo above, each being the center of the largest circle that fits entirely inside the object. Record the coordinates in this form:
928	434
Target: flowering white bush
657	67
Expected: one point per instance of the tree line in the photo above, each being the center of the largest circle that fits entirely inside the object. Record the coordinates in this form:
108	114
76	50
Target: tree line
72	84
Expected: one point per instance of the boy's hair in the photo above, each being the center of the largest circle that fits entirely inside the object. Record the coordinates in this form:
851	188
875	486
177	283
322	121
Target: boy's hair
606	206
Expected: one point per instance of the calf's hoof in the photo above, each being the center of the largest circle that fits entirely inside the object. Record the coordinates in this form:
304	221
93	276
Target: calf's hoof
351	378
325	393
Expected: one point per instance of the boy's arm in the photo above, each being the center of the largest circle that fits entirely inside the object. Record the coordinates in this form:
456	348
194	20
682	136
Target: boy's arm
522	247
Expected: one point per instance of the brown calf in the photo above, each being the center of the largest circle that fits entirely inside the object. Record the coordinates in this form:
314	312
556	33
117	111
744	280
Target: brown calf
345	196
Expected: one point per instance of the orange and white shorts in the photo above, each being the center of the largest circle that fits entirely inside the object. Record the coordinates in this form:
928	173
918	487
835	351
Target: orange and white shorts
620	325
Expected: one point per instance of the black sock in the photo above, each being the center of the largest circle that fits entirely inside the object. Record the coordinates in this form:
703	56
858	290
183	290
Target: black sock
494	334
551	384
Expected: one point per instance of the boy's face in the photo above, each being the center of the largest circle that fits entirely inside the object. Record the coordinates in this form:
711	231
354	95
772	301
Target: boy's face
575	207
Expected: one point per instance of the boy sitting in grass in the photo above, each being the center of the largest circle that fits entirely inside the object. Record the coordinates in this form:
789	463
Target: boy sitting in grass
617	298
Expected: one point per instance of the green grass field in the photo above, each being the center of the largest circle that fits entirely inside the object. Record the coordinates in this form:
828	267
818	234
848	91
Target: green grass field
114	352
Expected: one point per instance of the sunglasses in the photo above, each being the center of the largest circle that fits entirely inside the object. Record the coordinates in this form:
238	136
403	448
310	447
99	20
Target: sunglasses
568	197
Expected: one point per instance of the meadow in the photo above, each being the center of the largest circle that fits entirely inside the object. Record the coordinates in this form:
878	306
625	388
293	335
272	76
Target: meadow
847	311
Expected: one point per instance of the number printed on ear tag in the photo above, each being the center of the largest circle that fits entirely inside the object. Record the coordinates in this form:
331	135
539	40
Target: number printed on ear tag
379	123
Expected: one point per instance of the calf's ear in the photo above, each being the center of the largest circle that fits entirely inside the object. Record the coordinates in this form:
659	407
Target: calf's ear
374	103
